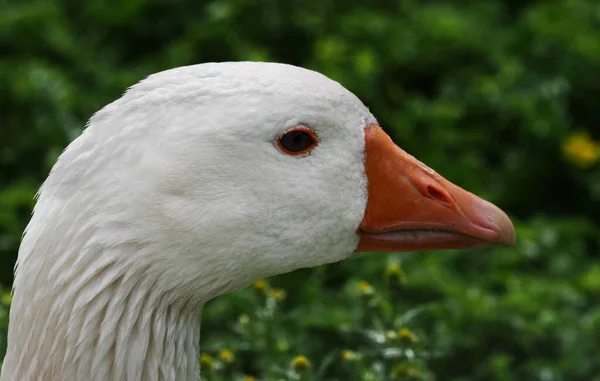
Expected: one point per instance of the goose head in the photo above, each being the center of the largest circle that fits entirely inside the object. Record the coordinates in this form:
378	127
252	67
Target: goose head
201	180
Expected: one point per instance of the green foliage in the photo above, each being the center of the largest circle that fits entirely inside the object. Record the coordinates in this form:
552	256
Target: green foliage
524	313
5	300
498	96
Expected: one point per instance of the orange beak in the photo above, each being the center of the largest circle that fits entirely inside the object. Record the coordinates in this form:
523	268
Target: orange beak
412	208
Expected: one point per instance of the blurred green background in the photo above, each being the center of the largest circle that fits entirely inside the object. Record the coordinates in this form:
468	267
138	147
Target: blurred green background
500	97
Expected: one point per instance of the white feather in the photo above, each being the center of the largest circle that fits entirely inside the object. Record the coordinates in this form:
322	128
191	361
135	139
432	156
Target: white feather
174	194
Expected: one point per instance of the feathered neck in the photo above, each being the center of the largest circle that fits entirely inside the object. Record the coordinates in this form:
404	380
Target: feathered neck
175	194
107	323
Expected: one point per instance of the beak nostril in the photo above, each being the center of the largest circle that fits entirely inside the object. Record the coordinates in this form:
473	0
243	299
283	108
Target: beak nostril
438	195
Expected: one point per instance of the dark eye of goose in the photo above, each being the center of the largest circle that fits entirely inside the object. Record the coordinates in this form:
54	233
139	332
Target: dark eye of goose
297	141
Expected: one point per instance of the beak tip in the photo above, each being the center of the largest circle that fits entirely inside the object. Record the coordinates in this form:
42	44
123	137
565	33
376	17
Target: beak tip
507	232
488	216
507	235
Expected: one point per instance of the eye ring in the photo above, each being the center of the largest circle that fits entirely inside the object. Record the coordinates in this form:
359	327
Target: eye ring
297	141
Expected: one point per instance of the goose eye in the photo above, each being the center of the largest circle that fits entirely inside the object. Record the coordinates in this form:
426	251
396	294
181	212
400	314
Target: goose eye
297	141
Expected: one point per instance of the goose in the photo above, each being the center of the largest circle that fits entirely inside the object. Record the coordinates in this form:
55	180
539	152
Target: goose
201	180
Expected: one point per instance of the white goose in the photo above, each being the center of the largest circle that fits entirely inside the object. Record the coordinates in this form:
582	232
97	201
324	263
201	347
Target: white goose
201	180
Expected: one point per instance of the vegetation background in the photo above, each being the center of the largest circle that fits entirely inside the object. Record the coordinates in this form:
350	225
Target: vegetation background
500	97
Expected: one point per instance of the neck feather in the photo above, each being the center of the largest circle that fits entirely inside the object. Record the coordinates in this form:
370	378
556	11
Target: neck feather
103	323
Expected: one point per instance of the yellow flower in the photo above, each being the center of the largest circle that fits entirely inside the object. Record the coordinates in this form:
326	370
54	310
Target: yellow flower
261	285
368	375
249	378
364	288
400	371
6	299
348	355
404	372
407	335
394	275
226	355
390	335
206	362
580	149
278	294
244	319
300	364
